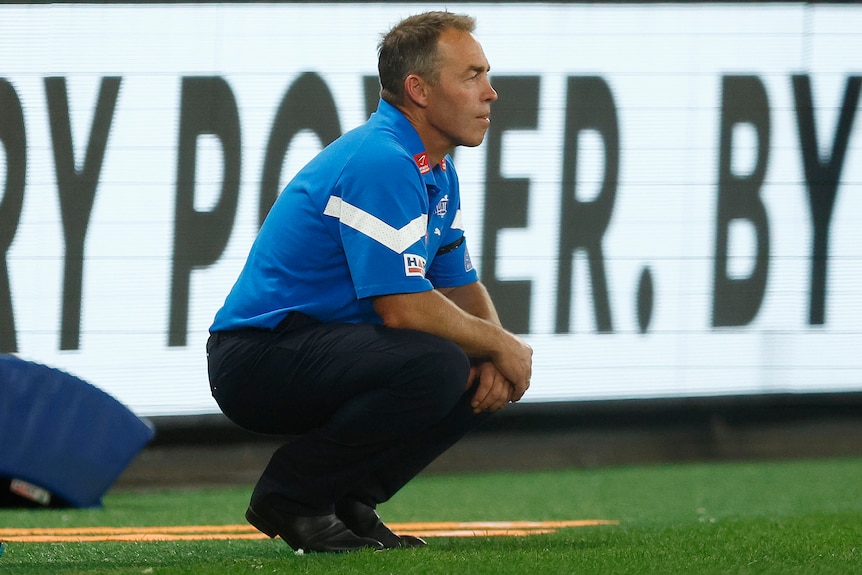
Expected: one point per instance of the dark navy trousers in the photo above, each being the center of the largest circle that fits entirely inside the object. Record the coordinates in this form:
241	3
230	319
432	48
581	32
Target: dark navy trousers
367	407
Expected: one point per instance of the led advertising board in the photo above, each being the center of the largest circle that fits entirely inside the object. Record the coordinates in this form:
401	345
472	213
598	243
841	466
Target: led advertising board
668	202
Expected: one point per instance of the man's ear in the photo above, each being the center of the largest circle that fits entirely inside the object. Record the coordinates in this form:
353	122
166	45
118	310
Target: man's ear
416	90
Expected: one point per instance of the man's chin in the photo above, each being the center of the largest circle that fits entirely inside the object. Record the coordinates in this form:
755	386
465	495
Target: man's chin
474	142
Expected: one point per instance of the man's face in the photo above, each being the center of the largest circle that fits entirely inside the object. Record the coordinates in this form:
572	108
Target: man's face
459	104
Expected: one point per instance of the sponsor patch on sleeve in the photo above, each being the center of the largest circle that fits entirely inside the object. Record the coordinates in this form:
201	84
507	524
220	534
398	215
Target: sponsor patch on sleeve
414	265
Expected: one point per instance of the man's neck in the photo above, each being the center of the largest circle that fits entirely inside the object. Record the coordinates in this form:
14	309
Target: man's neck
435	146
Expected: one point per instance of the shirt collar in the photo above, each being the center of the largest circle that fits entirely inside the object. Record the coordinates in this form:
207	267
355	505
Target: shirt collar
409	137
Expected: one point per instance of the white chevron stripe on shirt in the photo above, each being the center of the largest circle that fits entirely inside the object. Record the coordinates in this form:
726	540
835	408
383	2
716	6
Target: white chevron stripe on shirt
367	224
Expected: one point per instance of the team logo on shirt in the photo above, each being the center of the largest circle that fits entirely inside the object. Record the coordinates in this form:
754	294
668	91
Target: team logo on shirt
468	263
414	265
422	161
442	206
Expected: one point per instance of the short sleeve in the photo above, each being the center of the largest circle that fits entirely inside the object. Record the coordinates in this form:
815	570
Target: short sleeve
382	213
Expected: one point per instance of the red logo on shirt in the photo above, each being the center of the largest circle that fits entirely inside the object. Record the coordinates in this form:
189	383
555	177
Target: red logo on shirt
422	162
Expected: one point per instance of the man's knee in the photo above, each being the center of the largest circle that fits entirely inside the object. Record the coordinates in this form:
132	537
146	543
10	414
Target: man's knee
439	371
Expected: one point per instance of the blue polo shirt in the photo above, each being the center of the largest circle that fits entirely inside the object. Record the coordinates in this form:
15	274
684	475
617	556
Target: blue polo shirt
366	217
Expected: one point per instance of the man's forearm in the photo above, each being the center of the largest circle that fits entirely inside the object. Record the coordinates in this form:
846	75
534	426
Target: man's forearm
474	299
433	313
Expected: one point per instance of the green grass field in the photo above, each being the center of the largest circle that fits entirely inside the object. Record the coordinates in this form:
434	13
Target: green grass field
800	517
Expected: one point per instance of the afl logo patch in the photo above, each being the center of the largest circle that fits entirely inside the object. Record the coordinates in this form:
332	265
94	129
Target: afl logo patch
414	265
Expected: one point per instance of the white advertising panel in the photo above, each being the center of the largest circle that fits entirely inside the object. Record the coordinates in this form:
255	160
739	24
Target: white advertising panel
668	203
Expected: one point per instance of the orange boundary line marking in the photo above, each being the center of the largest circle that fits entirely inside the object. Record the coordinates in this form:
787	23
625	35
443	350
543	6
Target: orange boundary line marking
225	532
442	525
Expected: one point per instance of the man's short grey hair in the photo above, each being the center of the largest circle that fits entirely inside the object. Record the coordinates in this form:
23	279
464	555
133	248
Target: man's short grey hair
410	47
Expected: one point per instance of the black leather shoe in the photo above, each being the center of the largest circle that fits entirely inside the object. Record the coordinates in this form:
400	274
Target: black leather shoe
364	521
322	533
